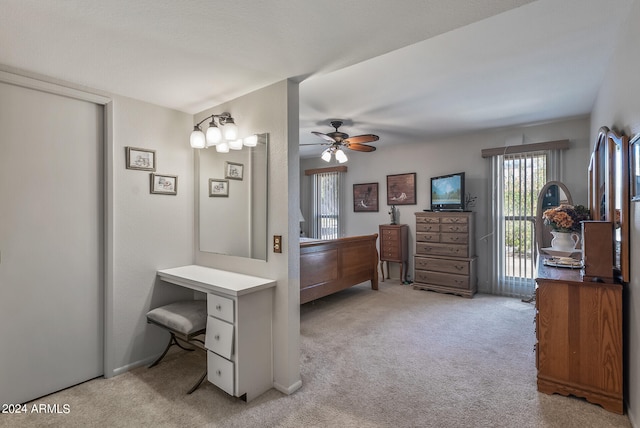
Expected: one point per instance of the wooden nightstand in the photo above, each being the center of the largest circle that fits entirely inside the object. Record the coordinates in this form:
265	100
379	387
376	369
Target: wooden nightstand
394	247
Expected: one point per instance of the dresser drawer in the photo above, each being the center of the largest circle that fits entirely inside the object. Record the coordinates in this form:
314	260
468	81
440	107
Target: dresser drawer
427	227
220	372
220	307
460	267
454	220
454	238
452	250
219	337
459	228
427	237
446	279
428	220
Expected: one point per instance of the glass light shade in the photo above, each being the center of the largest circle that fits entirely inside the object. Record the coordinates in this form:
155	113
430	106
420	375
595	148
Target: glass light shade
340	156
235	144
326	155
214	136
222	147
251	141
197	138
230	130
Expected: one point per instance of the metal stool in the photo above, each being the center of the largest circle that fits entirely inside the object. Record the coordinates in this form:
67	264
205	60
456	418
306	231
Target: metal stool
184	321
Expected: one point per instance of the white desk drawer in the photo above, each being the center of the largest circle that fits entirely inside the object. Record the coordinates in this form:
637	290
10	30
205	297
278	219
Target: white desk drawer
220	307
220	372
219	337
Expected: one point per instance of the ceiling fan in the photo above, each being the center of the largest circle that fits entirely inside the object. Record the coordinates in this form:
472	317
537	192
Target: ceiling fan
336	140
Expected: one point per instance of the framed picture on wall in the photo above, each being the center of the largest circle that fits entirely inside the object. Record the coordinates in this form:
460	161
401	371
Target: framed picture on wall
401	189
233	170
365	197
164	184
141	159
218	187
634	159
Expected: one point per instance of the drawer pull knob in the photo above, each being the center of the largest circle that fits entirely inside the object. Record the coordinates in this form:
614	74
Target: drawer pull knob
218	372
218	307
459	267
216	337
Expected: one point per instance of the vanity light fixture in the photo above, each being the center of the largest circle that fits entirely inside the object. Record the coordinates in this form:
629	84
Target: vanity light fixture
214	135
341	157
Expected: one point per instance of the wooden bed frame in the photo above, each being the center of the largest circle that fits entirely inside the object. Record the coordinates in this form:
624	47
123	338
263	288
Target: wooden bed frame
330	266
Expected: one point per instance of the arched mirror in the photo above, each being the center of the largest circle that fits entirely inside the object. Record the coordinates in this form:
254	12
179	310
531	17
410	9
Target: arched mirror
552	194
609	180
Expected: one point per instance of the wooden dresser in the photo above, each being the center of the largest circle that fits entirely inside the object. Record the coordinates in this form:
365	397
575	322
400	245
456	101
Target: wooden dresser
579	337
394	247
445	253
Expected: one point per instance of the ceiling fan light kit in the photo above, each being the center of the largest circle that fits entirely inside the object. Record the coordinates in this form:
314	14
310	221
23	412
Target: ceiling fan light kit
337	140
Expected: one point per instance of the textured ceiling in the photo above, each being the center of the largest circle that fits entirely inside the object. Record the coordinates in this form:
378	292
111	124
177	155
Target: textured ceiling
403	70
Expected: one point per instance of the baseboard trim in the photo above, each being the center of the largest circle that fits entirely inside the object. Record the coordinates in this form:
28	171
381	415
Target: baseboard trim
134	365
288	390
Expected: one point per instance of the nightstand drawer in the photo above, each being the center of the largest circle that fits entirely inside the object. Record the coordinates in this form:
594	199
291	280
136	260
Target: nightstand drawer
219	337
220	307
220	372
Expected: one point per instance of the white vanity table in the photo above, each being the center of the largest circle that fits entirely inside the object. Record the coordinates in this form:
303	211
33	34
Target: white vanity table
238	338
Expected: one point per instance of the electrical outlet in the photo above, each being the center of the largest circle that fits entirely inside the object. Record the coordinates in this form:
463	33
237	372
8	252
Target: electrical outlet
277	243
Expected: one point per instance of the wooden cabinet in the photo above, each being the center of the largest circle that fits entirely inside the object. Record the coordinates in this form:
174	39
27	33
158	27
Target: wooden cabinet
579	337
445	253
394	247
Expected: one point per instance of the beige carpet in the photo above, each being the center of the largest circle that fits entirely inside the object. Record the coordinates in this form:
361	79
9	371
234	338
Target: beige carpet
397	357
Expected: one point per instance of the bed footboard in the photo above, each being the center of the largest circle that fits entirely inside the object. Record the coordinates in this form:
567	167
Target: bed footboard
330	266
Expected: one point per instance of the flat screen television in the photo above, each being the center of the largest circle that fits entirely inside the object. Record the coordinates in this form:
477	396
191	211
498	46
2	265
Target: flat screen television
447	192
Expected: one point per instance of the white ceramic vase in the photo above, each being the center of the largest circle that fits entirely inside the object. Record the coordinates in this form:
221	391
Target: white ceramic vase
564	241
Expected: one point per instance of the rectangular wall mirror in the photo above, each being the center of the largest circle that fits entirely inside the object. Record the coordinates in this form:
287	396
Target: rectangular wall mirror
231	191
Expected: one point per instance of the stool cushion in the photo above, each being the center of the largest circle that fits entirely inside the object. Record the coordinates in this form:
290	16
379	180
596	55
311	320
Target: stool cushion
185	317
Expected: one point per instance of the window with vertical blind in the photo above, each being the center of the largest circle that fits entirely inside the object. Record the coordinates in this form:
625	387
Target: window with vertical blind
516	181
326	202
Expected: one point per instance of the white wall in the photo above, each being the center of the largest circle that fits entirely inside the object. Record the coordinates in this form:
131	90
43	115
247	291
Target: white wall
444	156
149	231
274	110
618	107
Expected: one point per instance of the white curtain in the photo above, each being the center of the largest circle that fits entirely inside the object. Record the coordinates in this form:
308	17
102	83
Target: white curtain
515	182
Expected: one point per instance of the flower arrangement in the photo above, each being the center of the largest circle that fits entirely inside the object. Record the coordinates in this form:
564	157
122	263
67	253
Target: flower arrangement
566	218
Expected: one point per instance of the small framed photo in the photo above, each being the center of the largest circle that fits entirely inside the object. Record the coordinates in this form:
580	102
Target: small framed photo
142	159
634	159
401	189
233	171
164	184
218	187
365	197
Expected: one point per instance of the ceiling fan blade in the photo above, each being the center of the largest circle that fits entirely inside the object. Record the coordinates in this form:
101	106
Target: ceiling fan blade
365	138
360	147
324	136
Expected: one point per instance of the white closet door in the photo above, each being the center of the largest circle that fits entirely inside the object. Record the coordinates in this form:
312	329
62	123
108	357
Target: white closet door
51	243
